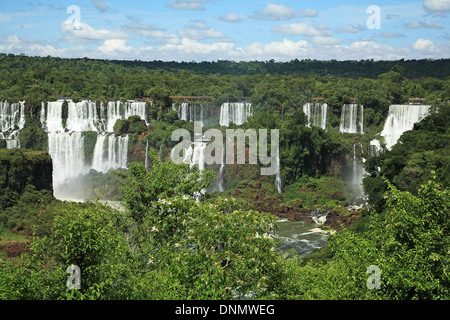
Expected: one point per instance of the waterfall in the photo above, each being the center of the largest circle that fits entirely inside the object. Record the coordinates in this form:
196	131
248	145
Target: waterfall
82	116
67	152
278	175
316	114
374	147
358	170
113	114
198	155
351	120
402	118
12	120
136	108
110	152
221	175
235	112
116	110
66	138
189	112
52	120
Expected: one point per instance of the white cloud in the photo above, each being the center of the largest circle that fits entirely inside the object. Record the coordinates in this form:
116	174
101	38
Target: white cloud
354	28
230	17
425	24
113	47
303	29
188	4
145	30
85	33
275	12
427	48
200	31
101	5
437	7
309	13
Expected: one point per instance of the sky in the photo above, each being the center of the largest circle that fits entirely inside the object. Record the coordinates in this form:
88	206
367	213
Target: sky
239	30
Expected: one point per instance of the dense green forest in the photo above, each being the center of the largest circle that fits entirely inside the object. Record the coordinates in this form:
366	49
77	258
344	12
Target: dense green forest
167	245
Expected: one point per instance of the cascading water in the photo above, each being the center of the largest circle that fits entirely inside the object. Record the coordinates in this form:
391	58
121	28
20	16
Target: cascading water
82	116
235	112
12	120
352	121
66	136
67	152
221	175
357	171
402	118
278	174
117	110
190	112
316	114
65	148
374	147
110	152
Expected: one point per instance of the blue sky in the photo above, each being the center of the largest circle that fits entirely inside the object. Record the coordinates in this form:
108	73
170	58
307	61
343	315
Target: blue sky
209	30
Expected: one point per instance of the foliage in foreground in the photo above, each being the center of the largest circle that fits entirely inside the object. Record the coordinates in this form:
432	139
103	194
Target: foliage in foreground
177	247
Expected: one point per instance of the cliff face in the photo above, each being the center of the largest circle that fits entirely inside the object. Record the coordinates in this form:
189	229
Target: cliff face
22	167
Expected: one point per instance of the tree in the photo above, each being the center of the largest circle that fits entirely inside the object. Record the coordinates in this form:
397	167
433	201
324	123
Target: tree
415	258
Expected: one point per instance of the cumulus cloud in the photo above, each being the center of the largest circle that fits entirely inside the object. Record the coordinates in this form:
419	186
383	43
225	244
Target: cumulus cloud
354	28
276	12
437	7
101	5
230	17
85	33
425	24
188	4
113	47
303	29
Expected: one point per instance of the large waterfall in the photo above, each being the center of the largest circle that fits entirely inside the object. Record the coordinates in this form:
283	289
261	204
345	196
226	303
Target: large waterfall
316	114
402	118
66	136
352	121
235	112
12	120
67	152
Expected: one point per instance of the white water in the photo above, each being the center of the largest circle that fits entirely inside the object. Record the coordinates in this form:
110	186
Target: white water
278	174
110	152
374	147
316	114
402	118
189	112
358	171
12	120
301	236
66	138
82	116
235	112
352	121
67	152
117	110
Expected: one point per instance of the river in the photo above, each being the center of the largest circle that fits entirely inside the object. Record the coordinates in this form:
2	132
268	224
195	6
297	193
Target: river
301	236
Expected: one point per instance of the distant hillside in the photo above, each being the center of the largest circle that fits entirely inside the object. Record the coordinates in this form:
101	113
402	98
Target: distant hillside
351	68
